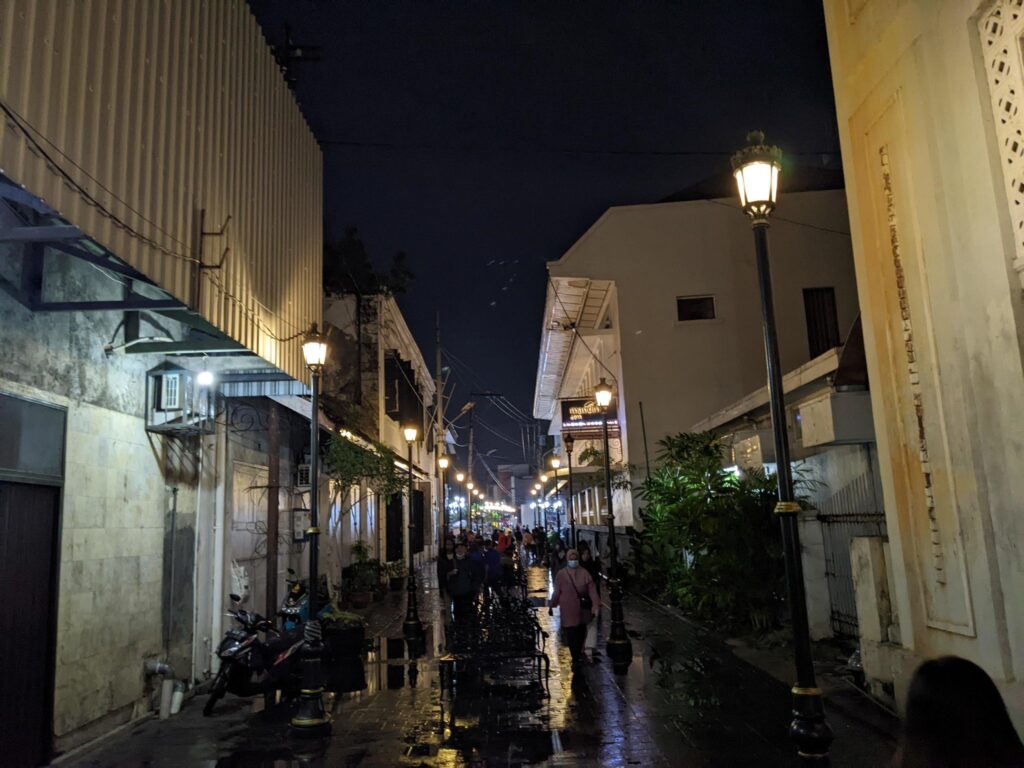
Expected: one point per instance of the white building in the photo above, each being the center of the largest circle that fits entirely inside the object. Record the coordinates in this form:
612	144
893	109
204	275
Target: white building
928	101
378	377
663	299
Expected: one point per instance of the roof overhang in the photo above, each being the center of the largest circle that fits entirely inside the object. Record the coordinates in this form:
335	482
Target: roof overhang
573	304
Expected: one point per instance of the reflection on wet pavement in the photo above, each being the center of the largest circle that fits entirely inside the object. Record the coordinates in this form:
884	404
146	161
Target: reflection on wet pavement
685	701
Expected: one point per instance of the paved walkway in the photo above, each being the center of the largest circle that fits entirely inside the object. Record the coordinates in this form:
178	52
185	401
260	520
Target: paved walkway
686	701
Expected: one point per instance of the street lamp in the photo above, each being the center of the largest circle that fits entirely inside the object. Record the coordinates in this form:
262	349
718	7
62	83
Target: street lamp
459	478
555	464
442	464
310	719
411	628
756	169
569	441
619	647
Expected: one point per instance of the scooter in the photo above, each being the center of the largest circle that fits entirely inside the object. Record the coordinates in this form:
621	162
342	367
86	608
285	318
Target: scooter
294	610
250	666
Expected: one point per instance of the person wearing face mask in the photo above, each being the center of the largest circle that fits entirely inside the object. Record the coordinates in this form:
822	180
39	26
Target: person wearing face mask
575	595
462	585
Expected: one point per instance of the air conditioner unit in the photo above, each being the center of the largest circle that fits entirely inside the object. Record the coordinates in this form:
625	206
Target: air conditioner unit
302	476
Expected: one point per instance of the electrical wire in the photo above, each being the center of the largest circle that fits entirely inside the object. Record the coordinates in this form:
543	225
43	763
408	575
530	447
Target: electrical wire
538	150
579	336
783	218
496	433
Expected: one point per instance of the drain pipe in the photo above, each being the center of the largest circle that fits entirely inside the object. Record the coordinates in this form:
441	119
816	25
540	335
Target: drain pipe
163	670
170	595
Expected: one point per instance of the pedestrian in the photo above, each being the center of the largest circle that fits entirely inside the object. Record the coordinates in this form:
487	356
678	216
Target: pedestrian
956	719
528	546
445	562
576	596
558	556
504	542
492	566
462	586
591	565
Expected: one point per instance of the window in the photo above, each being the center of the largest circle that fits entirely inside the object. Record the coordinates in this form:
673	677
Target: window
170	392
822	320
695	308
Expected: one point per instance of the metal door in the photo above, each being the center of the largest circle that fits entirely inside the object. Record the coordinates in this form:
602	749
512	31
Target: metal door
28	579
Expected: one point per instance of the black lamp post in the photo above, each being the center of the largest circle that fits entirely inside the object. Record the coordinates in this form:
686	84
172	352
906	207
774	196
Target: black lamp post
442	464
756	169
310	719
412	628
619	647
555	464
459	477
569	441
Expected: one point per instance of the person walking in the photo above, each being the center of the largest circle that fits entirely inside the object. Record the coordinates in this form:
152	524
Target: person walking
591	565
462	585
575	595
956	719
528	547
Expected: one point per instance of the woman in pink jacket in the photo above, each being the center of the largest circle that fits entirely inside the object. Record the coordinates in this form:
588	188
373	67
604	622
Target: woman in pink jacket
576	594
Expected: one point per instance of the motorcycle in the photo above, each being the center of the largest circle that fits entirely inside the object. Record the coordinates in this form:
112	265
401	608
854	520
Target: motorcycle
294	610
249	665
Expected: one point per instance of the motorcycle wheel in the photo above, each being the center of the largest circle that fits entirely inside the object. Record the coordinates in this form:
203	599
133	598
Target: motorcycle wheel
220	687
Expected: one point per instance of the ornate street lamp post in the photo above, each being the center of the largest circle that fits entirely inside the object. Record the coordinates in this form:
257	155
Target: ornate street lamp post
756	169
442	463
555	464
310	719
469	500
459	477
411	628
569	442
619	647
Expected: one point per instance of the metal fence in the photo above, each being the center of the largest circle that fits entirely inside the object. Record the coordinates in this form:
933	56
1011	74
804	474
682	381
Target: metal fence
851	512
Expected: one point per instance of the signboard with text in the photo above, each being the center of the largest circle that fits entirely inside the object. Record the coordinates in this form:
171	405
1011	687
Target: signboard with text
581	416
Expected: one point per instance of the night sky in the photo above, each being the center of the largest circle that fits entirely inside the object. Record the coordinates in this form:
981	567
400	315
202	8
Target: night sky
483	138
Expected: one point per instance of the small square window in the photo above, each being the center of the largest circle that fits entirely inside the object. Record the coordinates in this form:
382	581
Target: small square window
695	308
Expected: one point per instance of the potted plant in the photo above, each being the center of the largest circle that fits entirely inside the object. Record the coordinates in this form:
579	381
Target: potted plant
396	572
364	577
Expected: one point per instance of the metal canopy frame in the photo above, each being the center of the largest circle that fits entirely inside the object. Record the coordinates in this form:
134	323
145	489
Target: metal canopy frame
44	235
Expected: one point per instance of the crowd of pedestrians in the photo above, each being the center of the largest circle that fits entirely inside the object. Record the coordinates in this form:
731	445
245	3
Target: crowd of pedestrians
474	566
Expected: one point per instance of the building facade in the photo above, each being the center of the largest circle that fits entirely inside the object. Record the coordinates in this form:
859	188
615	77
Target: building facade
662	301
160	216
927	96
377	383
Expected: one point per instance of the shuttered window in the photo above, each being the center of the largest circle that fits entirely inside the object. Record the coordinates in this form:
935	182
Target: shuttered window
822	320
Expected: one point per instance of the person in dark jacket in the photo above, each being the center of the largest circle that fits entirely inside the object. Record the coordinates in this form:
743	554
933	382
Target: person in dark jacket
462	584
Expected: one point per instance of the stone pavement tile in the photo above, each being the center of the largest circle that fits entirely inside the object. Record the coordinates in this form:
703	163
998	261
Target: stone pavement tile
685	701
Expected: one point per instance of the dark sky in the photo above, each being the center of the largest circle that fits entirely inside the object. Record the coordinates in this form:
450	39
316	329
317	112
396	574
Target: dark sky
483	138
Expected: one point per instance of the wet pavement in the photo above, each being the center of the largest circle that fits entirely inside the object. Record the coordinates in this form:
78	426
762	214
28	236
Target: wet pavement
685	701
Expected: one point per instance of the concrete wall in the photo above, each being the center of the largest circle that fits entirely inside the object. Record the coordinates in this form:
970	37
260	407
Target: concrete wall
654	253
938	256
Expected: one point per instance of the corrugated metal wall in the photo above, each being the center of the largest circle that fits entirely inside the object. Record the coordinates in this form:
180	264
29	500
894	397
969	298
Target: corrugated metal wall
157	109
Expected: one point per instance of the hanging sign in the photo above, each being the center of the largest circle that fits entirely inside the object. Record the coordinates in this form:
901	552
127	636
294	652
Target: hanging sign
583	414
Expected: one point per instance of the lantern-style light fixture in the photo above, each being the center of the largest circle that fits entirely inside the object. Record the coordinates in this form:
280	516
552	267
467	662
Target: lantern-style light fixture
443	462
314	349
204	378
756	170
410	434
460	476
469	485
555	462
543	478
536	486
533	491
603	393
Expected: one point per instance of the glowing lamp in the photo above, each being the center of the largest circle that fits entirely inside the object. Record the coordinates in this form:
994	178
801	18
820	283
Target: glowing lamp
756	170
410	434
603	393
314	349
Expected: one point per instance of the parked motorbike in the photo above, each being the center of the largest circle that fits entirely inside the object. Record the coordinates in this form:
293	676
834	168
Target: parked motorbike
249	665
294	610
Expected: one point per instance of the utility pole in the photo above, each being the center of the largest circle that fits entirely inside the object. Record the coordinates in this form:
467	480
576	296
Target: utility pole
439	418
469	469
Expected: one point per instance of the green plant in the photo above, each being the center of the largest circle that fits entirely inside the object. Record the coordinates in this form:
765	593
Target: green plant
710	543
366	575
396	569
361	551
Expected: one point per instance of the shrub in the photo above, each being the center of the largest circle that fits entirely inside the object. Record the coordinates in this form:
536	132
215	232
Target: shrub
710	544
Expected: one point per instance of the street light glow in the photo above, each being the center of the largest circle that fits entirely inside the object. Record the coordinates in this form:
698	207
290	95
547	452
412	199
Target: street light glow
443	462
555	462
603	393
410	434
756	170
314	349
460	476
204	379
